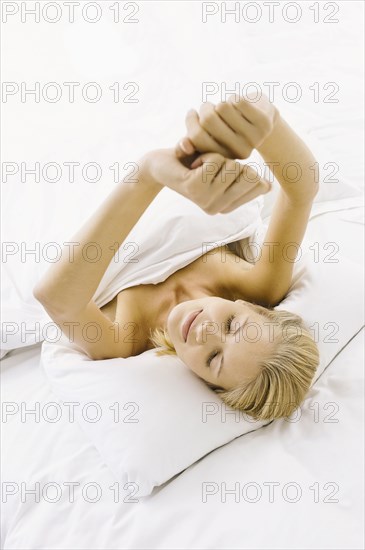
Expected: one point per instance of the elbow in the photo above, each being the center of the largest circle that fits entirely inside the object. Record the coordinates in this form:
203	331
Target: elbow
52	307
315	191
38	293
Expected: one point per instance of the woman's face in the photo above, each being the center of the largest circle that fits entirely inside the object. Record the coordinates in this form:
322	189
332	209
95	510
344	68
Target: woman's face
219	340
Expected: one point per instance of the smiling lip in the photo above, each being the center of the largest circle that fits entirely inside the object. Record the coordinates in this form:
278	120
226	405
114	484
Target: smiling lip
188	322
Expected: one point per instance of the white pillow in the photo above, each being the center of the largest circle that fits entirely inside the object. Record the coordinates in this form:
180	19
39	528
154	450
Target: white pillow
334	184
168	418
179	418
327	288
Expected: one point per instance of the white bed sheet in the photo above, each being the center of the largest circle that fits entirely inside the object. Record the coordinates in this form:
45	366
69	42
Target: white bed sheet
307	452
321	455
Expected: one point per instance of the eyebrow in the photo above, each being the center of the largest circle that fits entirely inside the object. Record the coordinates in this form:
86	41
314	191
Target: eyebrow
222	362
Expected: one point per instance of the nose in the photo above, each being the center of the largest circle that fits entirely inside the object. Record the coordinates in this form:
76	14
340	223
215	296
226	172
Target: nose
207	331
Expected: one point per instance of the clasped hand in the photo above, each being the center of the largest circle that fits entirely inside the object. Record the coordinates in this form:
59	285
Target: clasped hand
202	167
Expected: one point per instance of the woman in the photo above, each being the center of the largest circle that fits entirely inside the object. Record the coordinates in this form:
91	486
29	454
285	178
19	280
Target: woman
205	312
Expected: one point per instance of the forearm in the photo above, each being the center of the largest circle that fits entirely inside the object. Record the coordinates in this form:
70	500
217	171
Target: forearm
291	162
71	283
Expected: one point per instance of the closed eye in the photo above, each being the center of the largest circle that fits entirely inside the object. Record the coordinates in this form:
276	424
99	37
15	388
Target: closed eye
210	358
228	325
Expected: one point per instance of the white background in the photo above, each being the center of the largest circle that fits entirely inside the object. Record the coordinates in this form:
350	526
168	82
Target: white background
169	53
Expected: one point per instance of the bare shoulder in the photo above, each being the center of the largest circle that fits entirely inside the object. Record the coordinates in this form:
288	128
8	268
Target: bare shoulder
233	251
227	253
242	275
269	280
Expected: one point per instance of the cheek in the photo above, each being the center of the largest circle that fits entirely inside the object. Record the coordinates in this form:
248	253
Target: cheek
190	358
195	362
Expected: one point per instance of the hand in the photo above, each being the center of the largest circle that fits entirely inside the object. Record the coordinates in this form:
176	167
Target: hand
217	185
232	129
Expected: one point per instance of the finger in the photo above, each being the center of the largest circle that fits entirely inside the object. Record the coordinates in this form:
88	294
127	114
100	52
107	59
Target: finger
197	162
245	186
247	108
230	172
210	164
197	182
235	196
221	132
172	168
200	138
185	152
238	123
184	148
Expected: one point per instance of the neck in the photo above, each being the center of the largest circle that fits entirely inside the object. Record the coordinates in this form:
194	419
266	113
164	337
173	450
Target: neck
197	280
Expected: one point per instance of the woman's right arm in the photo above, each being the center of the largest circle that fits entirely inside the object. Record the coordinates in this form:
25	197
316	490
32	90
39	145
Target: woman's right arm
67	288
69	285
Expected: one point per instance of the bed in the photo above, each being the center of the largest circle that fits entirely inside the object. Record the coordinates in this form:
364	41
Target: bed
291	483
314	471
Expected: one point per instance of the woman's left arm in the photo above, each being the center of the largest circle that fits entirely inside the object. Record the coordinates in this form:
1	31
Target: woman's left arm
292	164
237	127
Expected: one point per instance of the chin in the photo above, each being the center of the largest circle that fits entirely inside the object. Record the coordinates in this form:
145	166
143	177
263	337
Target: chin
172	323
175	318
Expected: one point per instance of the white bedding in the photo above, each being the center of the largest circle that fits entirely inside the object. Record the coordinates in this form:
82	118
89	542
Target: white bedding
157	53
308	452
319	454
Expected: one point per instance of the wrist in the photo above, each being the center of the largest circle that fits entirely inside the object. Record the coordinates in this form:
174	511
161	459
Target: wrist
149	184
280	128
144	177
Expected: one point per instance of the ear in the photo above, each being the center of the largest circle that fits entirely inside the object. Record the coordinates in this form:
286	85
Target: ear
240	301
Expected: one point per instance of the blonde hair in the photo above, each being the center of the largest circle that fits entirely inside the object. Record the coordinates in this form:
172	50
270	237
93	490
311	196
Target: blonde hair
284	378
